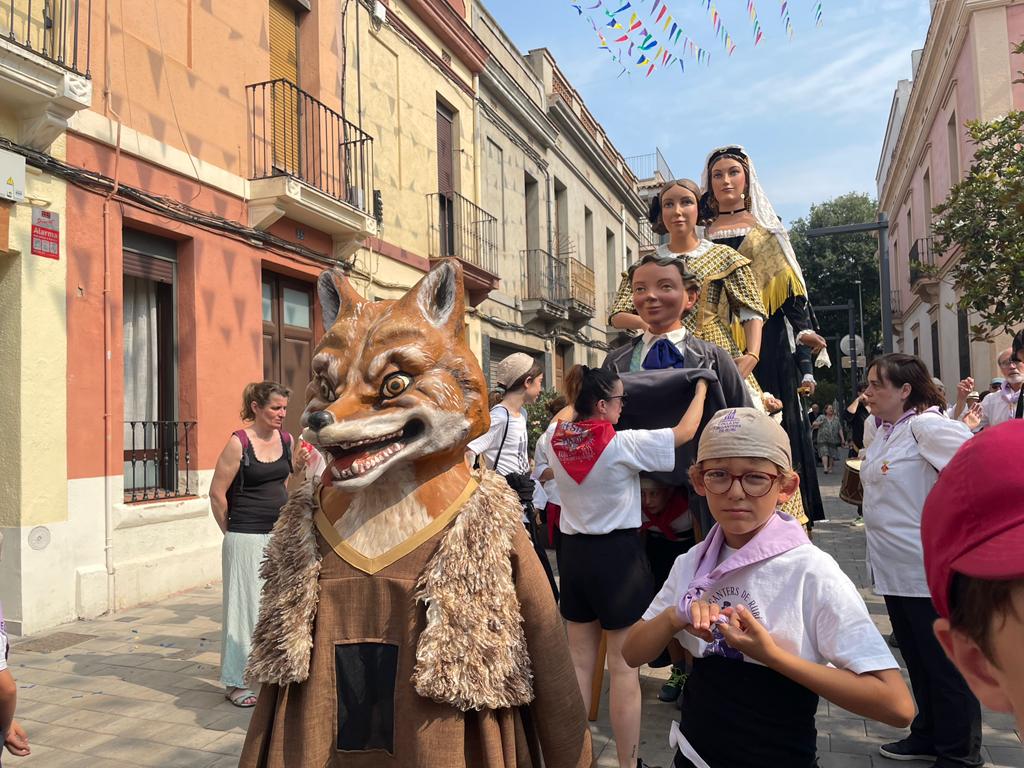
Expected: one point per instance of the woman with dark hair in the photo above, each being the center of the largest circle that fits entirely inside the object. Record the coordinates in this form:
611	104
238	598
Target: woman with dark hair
736	212
913	443
605	578
728	291
246	495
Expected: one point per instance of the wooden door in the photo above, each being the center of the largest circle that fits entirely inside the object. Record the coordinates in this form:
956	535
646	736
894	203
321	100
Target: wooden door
288	339
285	102
560	354
446	179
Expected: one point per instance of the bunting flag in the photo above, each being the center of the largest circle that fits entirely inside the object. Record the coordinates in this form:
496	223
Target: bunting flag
752	12
818	15
786	21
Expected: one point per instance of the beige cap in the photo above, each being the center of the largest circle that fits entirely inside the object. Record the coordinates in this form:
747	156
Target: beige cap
745	433
512	368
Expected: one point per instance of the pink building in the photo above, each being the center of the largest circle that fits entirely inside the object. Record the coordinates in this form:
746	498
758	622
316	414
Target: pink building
965	71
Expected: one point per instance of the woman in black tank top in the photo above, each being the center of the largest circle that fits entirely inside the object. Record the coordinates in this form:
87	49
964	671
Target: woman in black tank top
246	495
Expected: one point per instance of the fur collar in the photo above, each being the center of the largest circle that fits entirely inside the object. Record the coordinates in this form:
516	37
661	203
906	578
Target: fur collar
472	653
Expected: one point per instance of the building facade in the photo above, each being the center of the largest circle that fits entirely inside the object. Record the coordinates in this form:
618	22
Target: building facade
964	72
205	163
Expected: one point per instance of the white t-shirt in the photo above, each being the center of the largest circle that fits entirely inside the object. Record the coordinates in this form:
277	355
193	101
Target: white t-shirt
541	461
898	472
608	499
514	456
998	407
802	597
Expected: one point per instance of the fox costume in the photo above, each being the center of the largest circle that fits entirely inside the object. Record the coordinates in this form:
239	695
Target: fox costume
405	619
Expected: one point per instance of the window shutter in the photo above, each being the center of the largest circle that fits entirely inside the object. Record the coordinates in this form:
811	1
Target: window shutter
445	171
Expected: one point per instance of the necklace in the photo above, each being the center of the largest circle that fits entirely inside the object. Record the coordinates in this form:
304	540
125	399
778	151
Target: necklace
730	213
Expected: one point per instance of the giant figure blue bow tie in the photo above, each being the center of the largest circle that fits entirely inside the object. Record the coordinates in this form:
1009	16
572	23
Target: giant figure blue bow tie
663	354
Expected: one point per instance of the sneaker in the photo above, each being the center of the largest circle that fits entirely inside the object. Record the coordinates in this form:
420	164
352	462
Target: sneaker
858	521
673	686
907	749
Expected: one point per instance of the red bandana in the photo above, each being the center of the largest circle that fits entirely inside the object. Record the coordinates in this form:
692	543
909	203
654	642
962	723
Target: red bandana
678	505
579	444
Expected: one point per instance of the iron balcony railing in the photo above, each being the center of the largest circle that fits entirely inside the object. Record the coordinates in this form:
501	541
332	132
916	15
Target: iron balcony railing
462	229
546	277
922	260
646	166
581	294
57	30
294	134
158	460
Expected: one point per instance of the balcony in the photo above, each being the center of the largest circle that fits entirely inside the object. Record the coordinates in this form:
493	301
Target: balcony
308	163
924	278
580	298
544	287
158	461
651	167
462	230
896	303
44	66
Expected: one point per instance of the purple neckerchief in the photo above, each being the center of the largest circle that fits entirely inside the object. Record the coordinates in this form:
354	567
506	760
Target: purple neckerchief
888	428
780	534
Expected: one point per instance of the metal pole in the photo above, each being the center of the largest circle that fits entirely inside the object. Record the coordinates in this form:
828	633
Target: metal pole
860	307
884	282
853	357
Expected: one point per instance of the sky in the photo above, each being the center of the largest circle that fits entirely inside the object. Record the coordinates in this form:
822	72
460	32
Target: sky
811	111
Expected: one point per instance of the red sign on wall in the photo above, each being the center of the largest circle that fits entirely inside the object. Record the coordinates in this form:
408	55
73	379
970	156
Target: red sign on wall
45	233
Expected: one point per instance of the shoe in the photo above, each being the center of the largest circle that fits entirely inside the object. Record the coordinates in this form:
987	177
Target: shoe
907	749
891	639
641	764
673	686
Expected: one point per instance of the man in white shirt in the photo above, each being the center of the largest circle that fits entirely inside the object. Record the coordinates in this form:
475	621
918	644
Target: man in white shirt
1001	404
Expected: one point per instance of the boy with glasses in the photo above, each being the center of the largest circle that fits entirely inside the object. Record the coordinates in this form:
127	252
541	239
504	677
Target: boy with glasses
772	621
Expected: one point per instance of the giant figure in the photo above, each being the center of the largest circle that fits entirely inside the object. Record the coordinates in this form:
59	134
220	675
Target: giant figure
405	619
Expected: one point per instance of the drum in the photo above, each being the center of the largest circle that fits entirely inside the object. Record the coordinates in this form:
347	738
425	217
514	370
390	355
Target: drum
851	491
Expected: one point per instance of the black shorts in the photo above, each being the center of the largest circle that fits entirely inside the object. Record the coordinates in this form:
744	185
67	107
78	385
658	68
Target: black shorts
605	578
662	553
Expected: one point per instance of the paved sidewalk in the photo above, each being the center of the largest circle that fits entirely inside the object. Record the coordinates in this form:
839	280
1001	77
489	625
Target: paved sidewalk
140	688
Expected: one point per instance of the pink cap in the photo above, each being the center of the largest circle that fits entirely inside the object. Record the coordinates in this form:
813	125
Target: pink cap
973	520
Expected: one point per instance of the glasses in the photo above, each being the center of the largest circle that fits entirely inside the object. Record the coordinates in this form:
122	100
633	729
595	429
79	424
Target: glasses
623	397
1011	363
754	484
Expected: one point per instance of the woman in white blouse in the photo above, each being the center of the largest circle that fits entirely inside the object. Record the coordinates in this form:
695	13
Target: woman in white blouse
912	444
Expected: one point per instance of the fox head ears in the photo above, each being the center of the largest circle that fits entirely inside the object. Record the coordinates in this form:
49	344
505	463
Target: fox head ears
437	297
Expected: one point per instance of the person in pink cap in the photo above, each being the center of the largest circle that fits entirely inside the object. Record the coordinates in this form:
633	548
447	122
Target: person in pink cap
972	531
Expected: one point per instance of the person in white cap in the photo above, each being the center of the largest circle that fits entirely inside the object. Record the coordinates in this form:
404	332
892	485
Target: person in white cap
504	448
772	621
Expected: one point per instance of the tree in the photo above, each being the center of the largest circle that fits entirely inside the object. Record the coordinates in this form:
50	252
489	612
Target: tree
983	217
832	265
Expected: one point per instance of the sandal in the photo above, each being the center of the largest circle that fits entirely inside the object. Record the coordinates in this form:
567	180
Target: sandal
241	697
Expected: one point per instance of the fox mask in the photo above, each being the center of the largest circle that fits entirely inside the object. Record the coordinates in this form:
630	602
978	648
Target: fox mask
394	382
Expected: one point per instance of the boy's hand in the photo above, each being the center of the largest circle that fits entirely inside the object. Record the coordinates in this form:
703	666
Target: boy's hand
702	616
747	635
17	740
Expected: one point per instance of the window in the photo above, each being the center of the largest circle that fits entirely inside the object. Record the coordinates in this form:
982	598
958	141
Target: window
151	434
936	367
953	145
926	185
611	260
588	234
494	186
288	338
963	342
532	199
561	218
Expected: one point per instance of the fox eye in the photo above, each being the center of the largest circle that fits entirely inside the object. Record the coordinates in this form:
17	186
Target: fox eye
326	390
395	384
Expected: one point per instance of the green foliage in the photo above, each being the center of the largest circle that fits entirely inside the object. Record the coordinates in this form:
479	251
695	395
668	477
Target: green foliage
538	418
833	264
983	217
824	394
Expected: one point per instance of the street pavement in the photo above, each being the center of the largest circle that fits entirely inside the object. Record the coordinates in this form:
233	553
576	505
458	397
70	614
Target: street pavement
140	688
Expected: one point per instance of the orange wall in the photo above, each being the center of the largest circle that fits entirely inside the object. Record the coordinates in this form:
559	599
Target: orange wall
218	310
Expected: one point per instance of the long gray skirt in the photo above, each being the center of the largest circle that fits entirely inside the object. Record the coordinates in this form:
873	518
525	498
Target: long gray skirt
241	555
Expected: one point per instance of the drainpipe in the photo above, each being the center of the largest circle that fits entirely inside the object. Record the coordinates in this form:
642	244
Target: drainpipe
108	425
477	144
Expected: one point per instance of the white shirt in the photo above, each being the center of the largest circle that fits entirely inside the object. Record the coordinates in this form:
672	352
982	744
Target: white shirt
541	461
608	499
4	644
998	407
514	457
677	337
802	597
897	474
